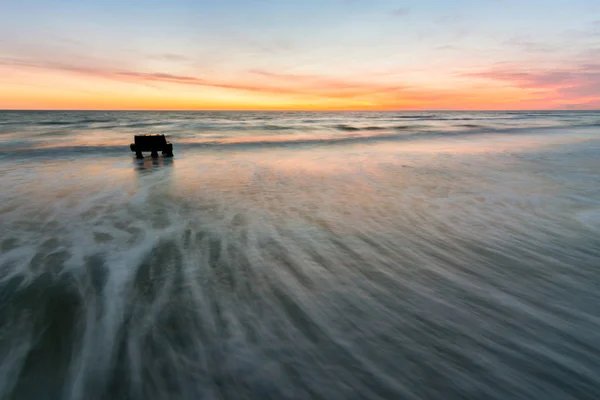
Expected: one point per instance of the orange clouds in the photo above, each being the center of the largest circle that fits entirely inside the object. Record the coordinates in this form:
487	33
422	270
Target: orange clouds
46	85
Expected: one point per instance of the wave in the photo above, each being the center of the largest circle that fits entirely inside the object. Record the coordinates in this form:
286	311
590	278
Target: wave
355	134
351	128
402	127
76	122
412	117
52	123
95	121
594	123
389	135
145	124
342	127
276	127
358	124
114	123
450	118
382	134
83	150
472	126
52	133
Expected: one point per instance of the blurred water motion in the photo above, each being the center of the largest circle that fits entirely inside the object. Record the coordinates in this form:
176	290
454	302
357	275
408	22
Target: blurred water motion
349	262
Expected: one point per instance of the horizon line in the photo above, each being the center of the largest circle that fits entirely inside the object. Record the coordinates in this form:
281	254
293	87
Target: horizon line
291	110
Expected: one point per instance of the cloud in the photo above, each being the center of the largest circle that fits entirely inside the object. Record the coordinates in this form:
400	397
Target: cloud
448	47
161	77
272	82
69	41
317	89
51	65
529	45
541	88
578	83
169	57
316	82
276	83
589	90
596	28
449	19
401	12
543	79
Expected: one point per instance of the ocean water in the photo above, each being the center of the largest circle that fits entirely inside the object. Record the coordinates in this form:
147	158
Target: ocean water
279	255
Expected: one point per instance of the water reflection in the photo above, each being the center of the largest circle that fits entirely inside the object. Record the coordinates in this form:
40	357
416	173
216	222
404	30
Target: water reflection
149	164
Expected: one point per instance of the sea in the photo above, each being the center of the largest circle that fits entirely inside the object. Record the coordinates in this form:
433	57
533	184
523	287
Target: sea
300	255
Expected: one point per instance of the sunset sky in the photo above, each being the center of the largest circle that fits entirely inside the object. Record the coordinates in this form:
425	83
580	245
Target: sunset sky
300	54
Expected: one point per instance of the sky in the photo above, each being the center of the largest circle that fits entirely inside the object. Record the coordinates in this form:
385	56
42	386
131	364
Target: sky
299	54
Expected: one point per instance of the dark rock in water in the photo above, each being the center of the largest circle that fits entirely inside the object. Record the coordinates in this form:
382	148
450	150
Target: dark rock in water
152	143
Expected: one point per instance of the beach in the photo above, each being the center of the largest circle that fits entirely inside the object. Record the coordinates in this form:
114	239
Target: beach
300	255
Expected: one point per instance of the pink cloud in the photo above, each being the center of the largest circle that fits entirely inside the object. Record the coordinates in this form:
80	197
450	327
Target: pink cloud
577	83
